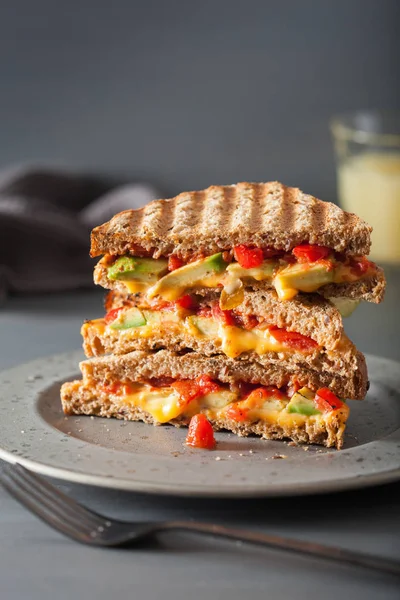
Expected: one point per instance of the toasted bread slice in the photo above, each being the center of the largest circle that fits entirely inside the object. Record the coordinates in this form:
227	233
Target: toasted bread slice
346	363
82	398
221	217
139	365
308	314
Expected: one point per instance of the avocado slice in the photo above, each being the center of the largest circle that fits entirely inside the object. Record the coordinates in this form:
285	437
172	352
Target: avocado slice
127	268
301	278
200	272
302	403
346	306
132	318
264	271
204	325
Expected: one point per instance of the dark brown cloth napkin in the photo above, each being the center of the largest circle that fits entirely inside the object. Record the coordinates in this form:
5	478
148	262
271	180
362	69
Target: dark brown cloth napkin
45	220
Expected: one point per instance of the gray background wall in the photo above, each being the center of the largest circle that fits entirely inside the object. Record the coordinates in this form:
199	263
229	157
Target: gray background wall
191	93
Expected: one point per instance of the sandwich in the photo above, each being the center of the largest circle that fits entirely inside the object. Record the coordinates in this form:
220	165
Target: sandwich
167	387
228	302
229	238
303	334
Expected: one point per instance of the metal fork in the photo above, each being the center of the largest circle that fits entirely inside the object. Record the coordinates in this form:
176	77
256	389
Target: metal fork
73	520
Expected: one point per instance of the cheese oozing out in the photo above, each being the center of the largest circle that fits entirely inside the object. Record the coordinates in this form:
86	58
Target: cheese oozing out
230	339
165	404
288	279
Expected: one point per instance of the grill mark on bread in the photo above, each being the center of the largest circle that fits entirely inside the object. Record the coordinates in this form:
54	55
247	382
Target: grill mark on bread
280	223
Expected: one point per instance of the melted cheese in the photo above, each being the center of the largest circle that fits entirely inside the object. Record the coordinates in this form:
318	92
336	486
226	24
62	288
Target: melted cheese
232	340
235	341
164	405
287	280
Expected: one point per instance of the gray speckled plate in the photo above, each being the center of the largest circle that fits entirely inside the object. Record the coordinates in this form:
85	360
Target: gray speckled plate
139	457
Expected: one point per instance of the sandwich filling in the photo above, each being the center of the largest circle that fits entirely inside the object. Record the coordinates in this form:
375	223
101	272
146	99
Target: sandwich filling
231	332
166	399
306	269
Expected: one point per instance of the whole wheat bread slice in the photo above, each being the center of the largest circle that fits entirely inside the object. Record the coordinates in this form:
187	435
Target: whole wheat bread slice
220	217
308	314
343	362
80	398
140	366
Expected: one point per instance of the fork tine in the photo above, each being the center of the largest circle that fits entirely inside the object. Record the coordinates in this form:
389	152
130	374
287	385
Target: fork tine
66	505
22	494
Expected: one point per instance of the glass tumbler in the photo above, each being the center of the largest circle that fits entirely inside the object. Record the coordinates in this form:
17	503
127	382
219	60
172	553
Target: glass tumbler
367	146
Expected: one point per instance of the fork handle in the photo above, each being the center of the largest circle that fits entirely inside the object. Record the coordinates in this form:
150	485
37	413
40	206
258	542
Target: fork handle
274	541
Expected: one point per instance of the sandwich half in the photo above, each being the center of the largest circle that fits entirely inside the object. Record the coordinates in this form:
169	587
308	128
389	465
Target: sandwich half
304	333
228	239
273	402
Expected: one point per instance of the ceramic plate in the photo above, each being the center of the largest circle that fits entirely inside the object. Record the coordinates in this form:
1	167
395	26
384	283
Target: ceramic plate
139	457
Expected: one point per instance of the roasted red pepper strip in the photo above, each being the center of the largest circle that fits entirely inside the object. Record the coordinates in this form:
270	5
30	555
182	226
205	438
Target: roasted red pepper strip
189	389
225	316
248	257
261	394
236	413
200	434
174	262
112	315
186	302
326	400
293	339
310	253
360	266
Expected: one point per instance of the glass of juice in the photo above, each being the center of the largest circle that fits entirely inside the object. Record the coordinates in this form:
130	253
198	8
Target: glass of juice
367	146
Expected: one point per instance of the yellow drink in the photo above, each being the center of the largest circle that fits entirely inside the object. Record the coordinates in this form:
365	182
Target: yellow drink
369	186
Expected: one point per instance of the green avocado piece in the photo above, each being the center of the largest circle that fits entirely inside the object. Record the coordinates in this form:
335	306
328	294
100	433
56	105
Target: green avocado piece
302	402
173	285
264	271
127	268
346	306
132	318
204	325
305	278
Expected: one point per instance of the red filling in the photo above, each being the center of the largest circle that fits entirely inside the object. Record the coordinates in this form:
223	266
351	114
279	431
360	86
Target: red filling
200	434
251	256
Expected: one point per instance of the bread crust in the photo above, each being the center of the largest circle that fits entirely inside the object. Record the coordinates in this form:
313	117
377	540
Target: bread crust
220	217
79	398
140	366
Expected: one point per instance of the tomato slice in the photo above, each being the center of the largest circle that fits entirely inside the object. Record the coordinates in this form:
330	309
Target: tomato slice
361	265
187	302
118	388
225	316
187	390
236	413
200	434
174	262
248	257
310	253
261	394
294	340
206	385
190	389
112	315
327	400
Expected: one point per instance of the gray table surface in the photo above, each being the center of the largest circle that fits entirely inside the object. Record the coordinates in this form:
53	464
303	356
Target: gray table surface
37	563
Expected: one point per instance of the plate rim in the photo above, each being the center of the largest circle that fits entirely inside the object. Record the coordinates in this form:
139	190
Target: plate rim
201	491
